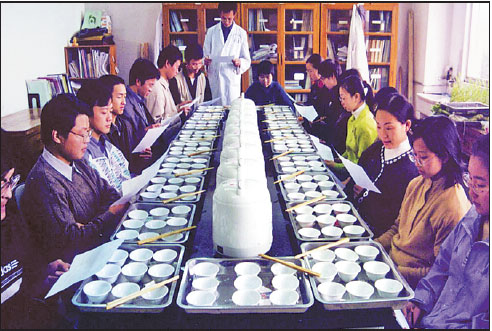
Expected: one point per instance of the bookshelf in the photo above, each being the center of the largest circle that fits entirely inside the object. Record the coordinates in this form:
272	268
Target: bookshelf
380	30
91	61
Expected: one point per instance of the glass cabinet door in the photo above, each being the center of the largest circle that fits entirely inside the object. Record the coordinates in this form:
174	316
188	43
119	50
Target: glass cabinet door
183	20
212	17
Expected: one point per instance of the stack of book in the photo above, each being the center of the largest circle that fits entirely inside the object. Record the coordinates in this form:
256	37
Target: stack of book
89	63
292	85
378	77
177	22
378	50
48	86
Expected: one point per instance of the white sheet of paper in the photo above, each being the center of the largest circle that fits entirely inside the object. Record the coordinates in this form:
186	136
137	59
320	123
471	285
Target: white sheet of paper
222	59
190	104
85	265
359	175
168	120
400	318
323	150
209	103
149	138
308	112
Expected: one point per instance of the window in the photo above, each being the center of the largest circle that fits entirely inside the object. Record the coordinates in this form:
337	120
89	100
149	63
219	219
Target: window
477	61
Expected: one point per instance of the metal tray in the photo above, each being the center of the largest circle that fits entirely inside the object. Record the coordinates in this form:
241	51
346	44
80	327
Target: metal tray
209	125
192	199
295	225
147	207
210	109
226	275
467	108
290	158
375	301
336	187
290	134
139	305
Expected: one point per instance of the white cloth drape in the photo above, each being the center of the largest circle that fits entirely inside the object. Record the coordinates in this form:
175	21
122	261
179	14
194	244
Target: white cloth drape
356	52
158	38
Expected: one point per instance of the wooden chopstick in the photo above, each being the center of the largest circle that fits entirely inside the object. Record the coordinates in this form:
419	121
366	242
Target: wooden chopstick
293	175
192	172
182	196
282	128
276	139
305	203
164	235
120	301
291	265
323	247
283	154
201	152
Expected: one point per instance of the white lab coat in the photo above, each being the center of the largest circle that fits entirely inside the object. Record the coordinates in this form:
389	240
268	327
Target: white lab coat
225	78
356	52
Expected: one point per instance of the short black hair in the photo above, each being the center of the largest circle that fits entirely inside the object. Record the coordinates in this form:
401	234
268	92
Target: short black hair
389	100
94	93
193	52
315	60
226	6
266	67
60	114
354	84
109	81
481	149
329	68
143	70
171	54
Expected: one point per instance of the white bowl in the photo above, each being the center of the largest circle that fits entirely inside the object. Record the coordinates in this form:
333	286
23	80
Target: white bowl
246	297
347	270
147	235
205	284
175	181
248	282
289	170
183	166
109	273
309	186
118	257
325	220
325	255
168	165
138	214
192	180
346	254
141	255
200	298
97	291
160	272
187	189
181	210
326	184
173	238
165	255
176	221
171	188
288	180
306	210
309	233
322	209
331	291
321	178
205	269
159	213
168	195
305	220
330	194
200	160
285	282
155	297
149	196
304	178
247	268
353	230
376	270
158	180
388	288
359	289
332	232
131	224
292	187
280	269
313	194
345	219
127	235
155	188
164	171
340	208
123	289
295	196
366	252
327	270
134	271
284	297
315	164
155	226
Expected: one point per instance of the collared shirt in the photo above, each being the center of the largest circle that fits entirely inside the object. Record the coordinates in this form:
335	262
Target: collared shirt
160	101
395	152
226	30
357	112
59	165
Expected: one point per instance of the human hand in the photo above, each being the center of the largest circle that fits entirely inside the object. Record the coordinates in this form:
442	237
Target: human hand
207	61
412	313
54	270
236	62
357	189
300	119
330	164
345	182
118	209
146	154
156	125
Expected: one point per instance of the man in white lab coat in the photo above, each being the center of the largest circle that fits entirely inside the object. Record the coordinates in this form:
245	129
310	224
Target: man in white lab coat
226	39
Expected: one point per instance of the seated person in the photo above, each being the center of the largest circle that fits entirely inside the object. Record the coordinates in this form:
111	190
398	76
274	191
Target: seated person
455	293
102	155
25	279
66	203
312	69
434	202
265	91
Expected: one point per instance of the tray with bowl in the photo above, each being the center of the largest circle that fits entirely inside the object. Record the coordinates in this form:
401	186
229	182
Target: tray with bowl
251	285
129	269
144	220
291	139
291	163
210	109
328	221
356	275
310	185
165	187
201	124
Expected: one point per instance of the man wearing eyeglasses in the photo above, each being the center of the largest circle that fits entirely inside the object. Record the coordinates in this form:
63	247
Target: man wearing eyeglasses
66	203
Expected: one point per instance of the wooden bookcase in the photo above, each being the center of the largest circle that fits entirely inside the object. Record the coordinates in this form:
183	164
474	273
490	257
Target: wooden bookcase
90	62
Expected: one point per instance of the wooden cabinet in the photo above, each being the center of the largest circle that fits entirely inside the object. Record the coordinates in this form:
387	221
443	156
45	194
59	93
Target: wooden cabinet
91	61
380	30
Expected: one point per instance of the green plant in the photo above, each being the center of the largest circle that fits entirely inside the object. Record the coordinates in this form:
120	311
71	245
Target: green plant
476	90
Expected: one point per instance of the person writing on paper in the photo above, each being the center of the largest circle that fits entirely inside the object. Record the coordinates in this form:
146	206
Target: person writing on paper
265	91
66	203
387	162
357	98
434	202
192	81
25	280
455	293
230	40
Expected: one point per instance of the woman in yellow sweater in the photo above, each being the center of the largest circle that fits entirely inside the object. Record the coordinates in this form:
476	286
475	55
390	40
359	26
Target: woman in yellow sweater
434	202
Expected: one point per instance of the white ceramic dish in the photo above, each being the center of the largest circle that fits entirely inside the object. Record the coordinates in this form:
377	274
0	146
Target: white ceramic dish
376	270
280	269
159	213
123	289
134	271
313	194
325	220
155	297
305	220
247	268
147	235
327	270
330	194
347	270
346	254
160	272
97	291
285	282
325	255
141	255
155	226
127	235
205	269
246	297
331	232
331	291
366	252
149	196
158	180
306	210
346	219
176	221
309	233
284	297
165	255
248	282
138	214
353	230
341	208
205	284
181	210
388	288
168	195
118	257
200	298
359	290
131	224
322	209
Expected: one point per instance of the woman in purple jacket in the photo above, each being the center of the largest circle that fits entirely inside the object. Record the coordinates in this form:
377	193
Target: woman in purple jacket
455	292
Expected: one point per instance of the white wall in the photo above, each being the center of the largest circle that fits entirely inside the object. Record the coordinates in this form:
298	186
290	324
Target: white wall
33	37
402	57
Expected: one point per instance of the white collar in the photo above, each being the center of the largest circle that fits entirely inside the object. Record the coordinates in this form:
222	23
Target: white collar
395	152
357	112
60	166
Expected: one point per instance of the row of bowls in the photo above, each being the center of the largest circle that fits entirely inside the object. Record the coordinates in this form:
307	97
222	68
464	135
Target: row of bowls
359	290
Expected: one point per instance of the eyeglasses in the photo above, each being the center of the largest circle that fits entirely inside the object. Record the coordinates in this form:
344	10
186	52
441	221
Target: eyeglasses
88	135
420	162
12	182
477	188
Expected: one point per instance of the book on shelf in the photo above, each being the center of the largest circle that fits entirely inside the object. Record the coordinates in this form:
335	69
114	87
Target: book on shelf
292	84
183	21
176	24
330	49
40	88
